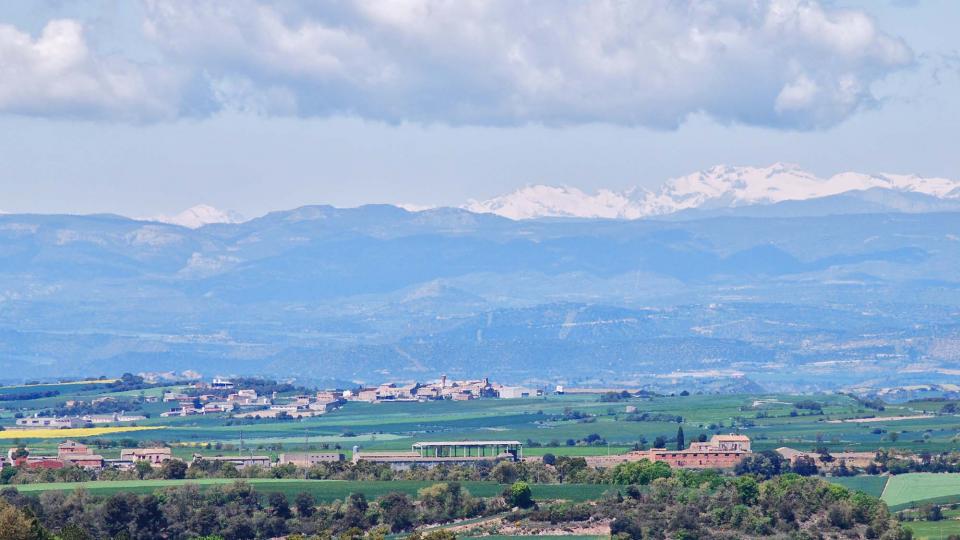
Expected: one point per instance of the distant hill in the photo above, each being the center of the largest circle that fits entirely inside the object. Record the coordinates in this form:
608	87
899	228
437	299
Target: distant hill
375	292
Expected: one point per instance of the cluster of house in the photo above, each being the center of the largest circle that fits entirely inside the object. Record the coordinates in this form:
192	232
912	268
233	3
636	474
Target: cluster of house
461	390
80	455
72	453
725	451
248	402
188	405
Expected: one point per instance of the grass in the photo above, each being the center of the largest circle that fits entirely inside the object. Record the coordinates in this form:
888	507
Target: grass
871	485
934	530
71	433
906	490
322	490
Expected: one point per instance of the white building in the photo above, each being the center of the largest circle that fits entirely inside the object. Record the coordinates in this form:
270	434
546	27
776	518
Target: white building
514	392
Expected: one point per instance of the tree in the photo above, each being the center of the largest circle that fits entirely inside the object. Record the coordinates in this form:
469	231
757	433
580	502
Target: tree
622	527
73	532
117	513
520	495
549	459
805	466
305	504
933	513
279	505
748	490
640	472
148	517
7	474
766	464
659	442
567	466
143	468
173	469
680	441
504	472
397	511
17	525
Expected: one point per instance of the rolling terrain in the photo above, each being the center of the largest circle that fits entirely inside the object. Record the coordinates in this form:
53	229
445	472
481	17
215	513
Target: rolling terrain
375	293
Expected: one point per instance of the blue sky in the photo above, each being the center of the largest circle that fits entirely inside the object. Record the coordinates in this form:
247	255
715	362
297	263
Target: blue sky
150	107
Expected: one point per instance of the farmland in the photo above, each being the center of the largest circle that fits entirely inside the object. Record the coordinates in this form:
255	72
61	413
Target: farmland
905	490
869	484
549	422
60	434
934	530
574	425
562	425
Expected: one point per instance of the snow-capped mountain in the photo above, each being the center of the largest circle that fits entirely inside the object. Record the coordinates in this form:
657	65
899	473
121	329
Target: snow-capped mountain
715	188
200	215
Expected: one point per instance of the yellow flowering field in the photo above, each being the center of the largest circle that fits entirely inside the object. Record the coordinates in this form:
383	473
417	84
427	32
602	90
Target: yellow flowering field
68	433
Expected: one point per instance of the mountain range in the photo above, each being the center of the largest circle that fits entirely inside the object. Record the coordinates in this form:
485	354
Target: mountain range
725	188
778	190
801	302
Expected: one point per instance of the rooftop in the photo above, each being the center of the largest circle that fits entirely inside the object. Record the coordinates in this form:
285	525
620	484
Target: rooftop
466	443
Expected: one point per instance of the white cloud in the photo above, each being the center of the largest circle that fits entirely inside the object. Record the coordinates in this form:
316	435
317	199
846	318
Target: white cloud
784	63
56	74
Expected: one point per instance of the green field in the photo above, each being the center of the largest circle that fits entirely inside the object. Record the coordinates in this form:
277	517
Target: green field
323	490
872	485
934	530
906	490
766	418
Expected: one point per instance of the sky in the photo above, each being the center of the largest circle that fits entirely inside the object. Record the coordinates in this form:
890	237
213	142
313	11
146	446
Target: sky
147	107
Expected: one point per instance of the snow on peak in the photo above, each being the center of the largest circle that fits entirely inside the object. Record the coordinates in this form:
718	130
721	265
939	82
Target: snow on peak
543	201
200	215
718	187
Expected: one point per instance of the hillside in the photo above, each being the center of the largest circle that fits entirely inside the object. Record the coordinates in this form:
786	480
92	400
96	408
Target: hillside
378	291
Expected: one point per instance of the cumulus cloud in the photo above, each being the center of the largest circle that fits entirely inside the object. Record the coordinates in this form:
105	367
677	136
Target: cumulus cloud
783	63
56	74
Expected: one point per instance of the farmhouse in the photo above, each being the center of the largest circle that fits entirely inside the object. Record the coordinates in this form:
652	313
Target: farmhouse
154	456
720	452
78	454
